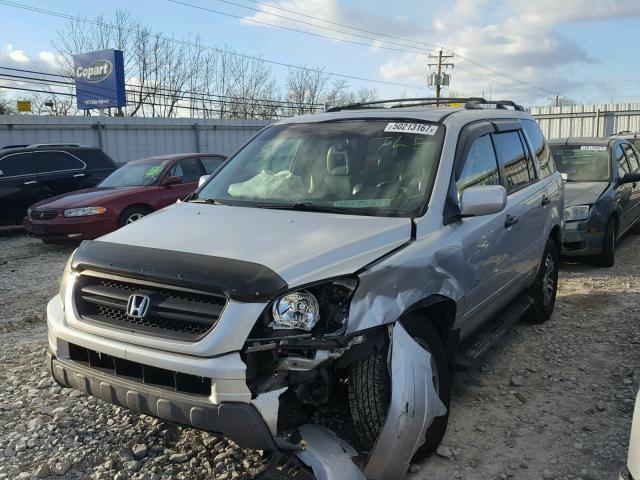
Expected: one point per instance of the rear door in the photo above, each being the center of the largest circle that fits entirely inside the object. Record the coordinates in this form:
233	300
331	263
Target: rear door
190	170
634	167
19	187
99	166
59	171
211	164
525	213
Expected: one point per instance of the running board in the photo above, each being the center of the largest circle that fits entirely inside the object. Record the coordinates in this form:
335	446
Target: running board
479	343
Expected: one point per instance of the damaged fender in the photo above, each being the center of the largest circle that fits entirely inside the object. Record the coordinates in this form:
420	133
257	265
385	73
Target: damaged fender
413	407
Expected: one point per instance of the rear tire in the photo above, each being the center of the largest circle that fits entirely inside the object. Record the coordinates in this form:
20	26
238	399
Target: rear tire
607	257
545	287
132	214
370	392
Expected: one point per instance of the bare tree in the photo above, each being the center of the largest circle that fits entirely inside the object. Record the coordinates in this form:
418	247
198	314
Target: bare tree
5	105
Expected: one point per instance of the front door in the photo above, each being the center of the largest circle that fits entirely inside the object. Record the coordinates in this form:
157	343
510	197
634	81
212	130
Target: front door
19	187
190	170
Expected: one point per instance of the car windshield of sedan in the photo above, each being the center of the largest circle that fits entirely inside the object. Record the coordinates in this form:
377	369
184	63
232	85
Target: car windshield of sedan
135	174
583	163
372	167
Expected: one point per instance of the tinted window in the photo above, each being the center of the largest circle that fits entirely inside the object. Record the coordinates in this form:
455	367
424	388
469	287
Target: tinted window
56	161
631	157
16	164
188	169
480	166
211	163
583	163
518	168
95	158
621	162
540	148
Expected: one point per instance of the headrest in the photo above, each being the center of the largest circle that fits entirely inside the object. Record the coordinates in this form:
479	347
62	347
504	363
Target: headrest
338	161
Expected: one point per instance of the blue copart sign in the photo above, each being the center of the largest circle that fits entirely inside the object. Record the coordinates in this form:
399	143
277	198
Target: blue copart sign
99	79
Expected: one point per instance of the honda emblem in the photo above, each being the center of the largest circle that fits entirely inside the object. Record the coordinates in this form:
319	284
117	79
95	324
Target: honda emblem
138	305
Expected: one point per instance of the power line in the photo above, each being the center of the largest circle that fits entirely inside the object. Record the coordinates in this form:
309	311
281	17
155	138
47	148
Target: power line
200	7
196	45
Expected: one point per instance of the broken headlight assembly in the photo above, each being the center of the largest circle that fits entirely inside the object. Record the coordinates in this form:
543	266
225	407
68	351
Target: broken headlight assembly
317	309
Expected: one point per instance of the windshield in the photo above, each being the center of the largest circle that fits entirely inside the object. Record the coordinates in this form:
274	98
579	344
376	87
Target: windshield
135	174
372	167
583	163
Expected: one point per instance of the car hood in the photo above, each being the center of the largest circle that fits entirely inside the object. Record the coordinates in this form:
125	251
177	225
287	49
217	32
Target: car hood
89	197
583	193
301	247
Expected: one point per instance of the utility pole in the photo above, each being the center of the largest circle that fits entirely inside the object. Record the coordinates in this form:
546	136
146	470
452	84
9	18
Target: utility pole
439	76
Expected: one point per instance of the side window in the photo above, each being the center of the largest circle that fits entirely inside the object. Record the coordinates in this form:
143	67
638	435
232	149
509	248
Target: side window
56	161
517	165
621	162
631	157
16	164
480	166
540	148
188	169
95	159
210	164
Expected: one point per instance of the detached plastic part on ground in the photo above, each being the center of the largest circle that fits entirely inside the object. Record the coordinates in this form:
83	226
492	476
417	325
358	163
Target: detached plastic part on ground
413	407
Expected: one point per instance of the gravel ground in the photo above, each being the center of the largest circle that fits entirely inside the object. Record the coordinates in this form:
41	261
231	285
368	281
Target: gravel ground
547	402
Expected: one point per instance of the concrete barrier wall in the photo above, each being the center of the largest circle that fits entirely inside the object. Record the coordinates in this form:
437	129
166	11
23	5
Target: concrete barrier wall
127	138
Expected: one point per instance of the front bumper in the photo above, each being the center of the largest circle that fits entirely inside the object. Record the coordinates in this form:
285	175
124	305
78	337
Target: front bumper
79	228
580	239
236	420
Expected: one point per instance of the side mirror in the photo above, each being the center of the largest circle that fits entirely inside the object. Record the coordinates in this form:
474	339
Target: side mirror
565	176
1	173
477	201
630	178
202	180
172	180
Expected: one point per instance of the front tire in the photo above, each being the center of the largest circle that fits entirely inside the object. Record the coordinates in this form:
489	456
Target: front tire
132	214
545	287
607	257
370	391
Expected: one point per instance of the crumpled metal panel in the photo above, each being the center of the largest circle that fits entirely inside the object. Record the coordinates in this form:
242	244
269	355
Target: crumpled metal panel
329	457
413	407
268	404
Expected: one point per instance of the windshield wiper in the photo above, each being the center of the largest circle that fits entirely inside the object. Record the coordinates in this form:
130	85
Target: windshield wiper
208	201
303	207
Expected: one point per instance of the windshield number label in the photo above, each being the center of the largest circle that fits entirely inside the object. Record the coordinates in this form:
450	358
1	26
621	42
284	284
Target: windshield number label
592	147
418	128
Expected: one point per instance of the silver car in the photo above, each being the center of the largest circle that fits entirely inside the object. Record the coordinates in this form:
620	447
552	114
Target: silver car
602	200
336	260
632	470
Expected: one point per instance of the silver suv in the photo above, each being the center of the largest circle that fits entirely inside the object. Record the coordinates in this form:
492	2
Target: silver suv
348	259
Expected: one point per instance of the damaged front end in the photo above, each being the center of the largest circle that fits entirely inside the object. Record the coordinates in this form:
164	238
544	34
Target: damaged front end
300	383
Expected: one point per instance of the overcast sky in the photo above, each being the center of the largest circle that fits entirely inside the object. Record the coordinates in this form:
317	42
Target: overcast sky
529	50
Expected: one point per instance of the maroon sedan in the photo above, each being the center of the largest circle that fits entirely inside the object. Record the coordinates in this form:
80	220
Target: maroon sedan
128	194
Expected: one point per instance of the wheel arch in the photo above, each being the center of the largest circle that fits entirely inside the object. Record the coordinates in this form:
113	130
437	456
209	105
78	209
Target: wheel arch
144	205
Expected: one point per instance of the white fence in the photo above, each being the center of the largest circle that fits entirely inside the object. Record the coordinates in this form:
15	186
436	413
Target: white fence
588	120
127	138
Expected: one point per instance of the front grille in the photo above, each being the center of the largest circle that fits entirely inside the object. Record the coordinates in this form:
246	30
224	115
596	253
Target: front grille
172	312
158	377
42	214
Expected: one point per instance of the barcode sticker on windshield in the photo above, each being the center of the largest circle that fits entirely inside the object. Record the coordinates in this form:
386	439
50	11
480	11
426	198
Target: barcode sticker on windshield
419	128
592	147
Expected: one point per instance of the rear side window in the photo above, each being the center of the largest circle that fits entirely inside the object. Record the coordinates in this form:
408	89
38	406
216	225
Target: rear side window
518	167
56	161
188	169
621	162
95	159
540	148
631	157
480	166
210	164
16	164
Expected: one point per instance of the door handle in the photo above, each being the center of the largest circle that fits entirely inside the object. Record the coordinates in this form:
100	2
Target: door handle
31	182
545	200
510	221
78	175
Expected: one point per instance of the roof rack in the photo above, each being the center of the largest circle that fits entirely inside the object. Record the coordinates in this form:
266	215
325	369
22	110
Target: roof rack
48	145
13	146
470	103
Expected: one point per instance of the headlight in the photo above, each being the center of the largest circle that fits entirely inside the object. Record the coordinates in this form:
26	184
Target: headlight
84	211
579	212
296	310
65	278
